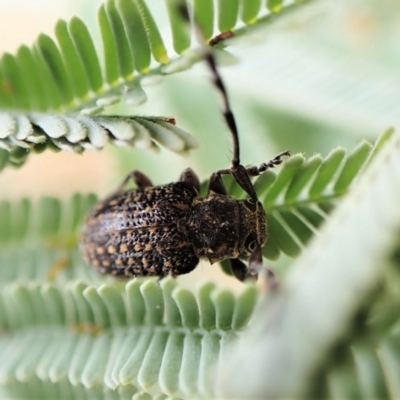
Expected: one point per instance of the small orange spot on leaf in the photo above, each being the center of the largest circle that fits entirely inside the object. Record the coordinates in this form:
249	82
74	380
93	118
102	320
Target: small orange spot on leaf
86	328
60	265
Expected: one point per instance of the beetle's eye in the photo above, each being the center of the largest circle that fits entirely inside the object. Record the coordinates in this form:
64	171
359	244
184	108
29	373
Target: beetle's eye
251	242
250	204
252	245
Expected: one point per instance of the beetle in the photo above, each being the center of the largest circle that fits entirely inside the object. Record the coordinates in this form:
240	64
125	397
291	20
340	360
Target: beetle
165	230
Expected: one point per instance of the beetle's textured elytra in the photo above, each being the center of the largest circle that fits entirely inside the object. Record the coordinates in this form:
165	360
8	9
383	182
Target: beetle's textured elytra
165	230
135	232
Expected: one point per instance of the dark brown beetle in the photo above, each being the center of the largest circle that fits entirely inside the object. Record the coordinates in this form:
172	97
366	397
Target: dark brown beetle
164	230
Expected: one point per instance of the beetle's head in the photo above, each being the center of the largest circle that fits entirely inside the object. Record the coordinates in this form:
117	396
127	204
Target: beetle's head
253	227
221	227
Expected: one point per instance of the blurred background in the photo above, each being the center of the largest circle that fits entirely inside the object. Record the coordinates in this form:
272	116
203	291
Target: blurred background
322	77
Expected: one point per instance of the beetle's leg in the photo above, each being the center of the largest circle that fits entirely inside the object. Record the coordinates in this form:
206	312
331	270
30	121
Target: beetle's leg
241	173
191	178
255	171
242	178
216	185
240	270
140	179
256	267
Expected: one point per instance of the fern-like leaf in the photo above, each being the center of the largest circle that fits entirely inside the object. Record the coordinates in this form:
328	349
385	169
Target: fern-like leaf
23	133
341	299
140	336
66	73
300	197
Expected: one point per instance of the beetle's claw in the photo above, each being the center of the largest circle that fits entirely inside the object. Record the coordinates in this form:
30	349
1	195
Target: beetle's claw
271	281
268	278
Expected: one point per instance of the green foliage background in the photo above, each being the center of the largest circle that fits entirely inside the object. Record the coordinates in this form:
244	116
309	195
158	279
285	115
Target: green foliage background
331	328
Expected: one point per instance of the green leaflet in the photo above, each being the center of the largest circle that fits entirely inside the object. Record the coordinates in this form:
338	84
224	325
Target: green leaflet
57	69
227	14
203	14
250	10
87	53
112	72
275	5
73	63
12	74
158	49
124	55
136	34
179	31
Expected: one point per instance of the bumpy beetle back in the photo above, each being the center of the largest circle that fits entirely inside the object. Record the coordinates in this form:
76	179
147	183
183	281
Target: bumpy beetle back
136	232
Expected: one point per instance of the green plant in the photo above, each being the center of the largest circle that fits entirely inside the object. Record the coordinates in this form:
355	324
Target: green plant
330	330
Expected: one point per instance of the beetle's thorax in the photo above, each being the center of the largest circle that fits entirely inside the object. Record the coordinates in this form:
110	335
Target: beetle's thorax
221	227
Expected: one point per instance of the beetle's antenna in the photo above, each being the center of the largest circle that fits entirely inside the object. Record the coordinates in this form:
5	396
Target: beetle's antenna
219	84
228	114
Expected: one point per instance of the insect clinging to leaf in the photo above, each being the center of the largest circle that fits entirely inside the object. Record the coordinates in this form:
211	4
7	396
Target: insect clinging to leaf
165	230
